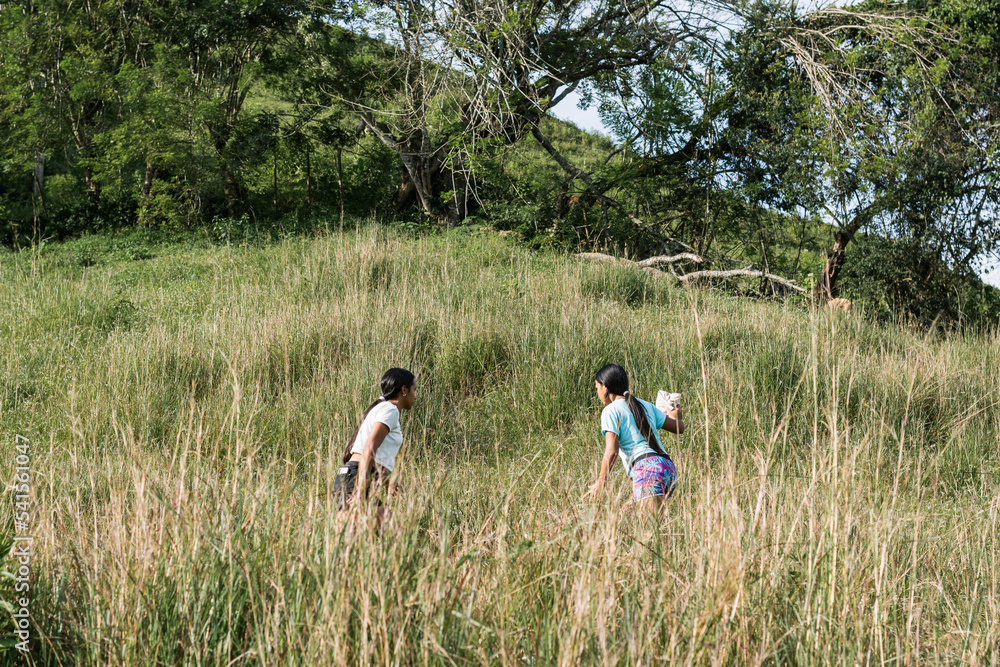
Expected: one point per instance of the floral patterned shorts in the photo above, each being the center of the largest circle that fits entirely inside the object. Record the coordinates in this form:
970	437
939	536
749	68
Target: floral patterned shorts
653	476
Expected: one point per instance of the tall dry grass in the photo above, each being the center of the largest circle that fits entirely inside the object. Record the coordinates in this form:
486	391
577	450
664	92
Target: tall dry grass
838	489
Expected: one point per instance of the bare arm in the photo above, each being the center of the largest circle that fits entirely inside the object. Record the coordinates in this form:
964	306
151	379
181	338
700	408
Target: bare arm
607	461
673	421
368	457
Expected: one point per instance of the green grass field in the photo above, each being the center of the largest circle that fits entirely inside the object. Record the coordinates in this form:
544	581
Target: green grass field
187	405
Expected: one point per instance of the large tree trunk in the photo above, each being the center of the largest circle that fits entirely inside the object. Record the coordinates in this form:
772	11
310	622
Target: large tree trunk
827	287
405	193
147	182
228	188
421	171
220	139
422	189
275	177
39	174
340	187
419	162
91	184
309	191
418	181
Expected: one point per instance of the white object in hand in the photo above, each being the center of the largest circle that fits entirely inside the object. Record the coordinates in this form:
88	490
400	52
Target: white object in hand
667	401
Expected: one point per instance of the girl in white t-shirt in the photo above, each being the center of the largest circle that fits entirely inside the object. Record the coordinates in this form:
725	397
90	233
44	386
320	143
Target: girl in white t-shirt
371	452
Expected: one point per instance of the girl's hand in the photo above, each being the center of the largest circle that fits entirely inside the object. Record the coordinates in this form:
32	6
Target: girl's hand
608	460
594	490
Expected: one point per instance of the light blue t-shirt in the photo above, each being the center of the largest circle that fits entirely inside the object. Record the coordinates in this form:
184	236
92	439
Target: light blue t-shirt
617	418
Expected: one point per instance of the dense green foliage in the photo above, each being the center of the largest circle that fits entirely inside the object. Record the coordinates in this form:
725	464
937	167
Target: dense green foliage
899	279
766	137
187	404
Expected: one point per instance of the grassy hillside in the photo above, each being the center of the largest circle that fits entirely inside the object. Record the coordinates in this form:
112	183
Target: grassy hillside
187	404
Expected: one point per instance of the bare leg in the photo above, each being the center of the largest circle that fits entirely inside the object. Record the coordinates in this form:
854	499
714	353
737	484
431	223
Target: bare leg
653	504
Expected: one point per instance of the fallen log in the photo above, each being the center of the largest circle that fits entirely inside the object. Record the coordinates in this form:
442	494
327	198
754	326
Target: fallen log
687	277
601	257
663	259
647	265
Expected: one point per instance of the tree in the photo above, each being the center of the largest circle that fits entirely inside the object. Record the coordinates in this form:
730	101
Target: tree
59	81
115	89
226	57
467	77
899	131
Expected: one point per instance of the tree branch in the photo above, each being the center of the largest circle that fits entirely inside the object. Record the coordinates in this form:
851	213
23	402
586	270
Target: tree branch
686	278
663	259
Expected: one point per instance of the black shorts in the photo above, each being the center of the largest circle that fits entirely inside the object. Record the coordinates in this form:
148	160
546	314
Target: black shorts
344	483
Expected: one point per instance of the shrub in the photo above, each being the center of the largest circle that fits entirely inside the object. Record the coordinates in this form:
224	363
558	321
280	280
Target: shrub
900	278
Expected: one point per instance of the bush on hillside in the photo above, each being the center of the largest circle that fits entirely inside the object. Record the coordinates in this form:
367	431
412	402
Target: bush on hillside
900	279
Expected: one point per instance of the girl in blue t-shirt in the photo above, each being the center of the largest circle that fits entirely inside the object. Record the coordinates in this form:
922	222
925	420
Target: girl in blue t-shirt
629	425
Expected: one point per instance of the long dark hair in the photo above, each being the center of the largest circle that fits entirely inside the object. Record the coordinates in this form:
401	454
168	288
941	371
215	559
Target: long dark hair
615	379
391	384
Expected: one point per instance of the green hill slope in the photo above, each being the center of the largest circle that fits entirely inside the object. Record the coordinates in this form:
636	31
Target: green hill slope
187	405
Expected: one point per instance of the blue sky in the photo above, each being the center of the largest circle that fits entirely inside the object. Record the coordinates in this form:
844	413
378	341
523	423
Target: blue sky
590	120
585	119
992	277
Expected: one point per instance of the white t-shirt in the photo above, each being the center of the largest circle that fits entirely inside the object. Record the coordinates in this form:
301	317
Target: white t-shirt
388	414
